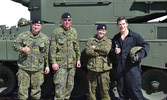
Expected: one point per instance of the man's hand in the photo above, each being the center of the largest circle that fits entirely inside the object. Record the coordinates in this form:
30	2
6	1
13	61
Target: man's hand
135	58
26	49
103	53
47	70
55	66
93	47
78	64
117	49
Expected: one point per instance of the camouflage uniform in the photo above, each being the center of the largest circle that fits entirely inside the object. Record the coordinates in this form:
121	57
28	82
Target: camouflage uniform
64	51
31	64
98	67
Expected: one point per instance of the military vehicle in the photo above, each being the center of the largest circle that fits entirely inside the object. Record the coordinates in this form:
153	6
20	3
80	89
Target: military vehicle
87	14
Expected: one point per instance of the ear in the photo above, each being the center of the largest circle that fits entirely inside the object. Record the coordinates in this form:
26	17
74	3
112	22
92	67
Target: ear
62	20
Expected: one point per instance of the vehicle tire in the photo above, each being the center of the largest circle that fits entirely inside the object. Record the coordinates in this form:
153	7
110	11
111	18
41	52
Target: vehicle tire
7	80
154	84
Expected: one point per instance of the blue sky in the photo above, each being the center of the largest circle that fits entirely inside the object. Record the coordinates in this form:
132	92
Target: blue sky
11	12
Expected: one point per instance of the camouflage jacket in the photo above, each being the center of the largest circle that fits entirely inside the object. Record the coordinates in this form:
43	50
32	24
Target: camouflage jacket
64	48
98	60
37	57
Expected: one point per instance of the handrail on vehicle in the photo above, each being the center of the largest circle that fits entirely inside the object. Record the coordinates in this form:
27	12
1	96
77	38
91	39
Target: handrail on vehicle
81	3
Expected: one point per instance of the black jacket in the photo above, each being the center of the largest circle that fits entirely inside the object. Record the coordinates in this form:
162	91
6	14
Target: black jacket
123	61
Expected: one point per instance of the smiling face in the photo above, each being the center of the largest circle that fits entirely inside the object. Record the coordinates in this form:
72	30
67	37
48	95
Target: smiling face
122	26
36	28
101	33
66	22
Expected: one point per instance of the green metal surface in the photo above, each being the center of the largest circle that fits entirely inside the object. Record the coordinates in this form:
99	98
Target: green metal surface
3	50
87	12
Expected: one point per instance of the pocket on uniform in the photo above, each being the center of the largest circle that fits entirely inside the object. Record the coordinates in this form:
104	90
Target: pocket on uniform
60	41
58	58
42	47
60	44
19	75
106	65
25	43
23	56
41	60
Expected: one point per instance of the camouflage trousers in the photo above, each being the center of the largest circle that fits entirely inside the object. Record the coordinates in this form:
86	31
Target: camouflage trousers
28	79
64	83
101	79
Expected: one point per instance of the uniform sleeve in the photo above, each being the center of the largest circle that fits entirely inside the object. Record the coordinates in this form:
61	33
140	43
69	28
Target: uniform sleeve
76	47
18	43
105	48
53	48
89	51
47	52
141	42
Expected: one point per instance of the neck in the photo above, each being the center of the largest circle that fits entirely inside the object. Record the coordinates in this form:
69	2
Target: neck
125	33
35	33
99	37
66	28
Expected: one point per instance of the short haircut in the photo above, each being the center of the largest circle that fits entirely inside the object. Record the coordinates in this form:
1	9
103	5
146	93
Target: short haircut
121	18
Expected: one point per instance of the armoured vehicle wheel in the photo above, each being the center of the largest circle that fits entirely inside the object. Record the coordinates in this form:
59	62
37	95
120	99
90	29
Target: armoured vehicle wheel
7	80
154	84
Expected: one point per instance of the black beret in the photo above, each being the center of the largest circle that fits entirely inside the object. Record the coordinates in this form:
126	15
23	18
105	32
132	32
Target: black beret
66	15
101	26
38	21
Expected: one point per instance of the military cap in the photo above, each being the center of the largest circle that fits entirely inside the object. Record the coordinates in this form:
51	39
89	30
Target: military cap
37	21
101	26
66	15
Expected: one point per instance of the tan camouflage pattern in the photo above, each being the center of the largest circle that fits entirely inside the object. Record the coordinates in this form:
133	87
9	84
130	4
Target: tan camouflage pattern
64	48
35	79
35	59
97	62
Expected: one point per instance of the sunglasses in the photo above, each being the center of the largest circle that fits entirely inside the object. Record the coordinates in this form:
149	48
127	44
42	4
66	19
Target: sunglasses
67	19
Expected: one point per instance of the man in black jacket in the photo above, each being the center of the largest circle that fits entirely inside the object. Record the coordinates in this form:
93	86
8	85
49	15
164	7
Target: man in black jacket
128	70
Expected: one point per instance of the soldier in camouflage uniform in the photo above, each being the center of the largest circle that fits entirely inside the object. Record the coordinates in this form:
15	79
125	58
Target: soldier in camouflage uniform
33	47
97	50
65	57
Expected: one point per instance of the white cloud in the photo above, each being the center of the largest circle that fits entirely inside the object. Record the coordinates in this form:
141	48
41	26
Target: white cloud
11	12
